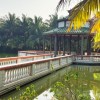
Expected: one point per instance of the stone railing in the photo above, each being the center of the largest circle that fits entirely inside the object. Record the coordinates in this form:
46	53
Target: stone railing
19	74
33	52
88	58
21	59
37	52
8	61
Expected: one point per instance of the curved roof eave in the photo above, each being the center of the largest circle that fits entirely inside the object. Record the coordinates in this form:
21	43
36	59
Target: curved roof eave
61	31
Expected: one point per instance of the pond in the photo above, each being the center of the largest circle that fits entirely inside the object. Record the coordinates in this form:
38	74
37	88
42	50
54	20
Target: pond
76	82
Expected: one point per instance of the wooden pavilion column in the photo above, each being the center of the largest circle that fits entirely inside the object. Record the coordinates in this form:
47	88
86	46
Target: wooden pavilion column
43	44
67	44
64	45
70	37
78	45
88	45
59	41
82	39
38	45
55	46
51	44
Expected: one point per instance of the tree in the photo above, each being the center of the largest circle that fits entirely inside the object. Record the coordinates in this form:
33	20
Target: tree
25	33
52	22
81	13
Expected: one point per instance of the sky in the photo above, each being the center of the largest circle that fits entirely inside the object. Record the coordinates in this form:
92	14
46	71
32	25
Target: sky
30	8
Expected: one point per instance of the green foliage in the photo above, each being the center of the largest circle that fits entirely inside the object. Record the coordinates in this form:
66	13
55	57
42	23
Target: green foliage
28	94
7	55
51	67
10	99
24	33
18	88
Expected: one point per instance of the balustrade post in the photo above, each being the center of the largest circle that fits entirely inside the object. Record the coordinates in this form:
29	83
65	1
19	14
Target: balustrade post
48	65
33	69
91	59
2	79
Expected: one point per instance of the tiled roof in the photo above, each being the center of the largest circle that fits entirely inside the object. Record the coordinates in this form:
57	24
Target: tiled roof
83	30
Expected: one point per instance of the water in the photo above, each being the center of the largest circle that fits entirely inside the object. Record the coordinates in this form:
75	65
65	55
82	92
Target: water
79	82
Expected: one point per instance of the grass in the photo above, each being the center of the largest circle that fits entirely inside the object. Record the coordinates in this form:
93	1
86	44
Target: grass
3	55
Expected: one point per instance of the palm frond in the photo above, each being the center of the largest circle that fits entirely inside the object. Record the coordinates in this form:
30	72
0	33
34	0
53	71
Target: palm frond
96	26
62	3
96	38
83	12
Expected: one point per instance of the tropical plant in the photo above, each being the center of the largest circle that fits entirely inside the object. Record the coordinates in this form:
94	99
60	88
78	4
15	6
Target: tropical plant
52	21
81	13
23	34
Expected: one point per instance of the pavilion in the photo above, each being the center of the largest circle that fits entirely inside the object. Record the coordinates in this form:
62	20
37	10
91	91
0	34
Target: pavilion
78	41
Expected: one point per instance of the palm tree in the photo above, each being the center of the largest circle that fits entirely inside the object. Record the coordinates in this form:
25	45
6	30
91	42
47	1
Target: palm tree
81	13
52	22
10	24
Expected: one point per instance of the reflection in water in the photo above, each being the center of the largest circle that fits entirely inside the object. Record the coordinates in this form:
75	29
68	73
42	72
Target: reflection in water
96	76
78	84
70	83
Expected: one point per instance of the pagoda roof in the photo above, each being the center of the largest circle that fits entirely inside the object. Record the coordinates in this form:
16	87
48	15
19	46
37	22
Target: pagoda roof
63	19
63	31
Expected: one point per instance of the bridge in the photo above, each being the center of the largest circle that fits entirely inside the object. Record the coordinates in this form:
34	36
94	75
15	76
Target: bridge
17	71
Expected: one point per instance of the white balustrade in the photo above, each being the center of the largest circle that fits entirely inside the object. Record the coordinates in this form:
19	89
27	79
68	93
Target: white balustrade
2	74
88	58
8	62
27	59
16	74
70	60
39	67
15	60
63	61
26	70
55	63
48	56
38	58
